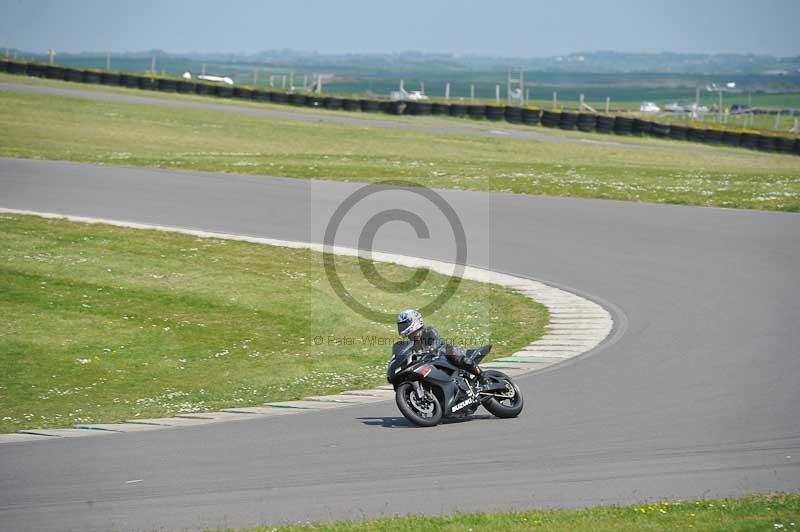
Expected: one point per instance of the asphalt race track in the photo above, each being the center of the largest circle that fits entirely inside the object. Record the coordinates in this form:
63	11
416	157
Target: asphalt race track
696	393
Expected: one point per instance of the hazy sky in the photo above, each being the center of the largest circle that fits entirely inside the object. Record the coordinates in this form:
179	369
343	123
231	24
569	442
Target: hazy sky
509	28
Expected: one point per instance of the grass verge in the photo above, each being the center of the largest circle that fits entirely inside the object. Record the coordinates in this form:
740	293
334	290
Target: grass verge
658	171
102	324
757	512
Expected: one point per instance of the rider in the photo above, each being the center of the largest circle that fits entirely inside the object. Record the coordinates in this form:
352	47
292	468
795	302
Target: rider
425	338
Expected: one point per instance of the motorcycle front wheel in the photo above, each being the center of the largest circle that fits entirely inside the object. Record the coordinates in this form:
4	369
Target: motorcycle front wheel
425	411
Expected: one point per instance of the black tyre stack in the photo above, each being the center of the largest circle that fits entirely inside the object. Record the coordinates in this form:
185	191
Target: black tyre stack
784	145
568	121
731	138
262	96
36	70
315	101
349	104
223	91
550	118
587	122
393	108
766	143
439	109
712	136
495	113
71	74
12	67
279	97
110	78
605	124
659	130
243	93
796	148
623	125
457	110
641	127
4	65
186	87
332	103
678	132
167	85
513	115
203	89
531	117
369	106
694	134
54	72
297	99
476	112
126	80
90	76
749	140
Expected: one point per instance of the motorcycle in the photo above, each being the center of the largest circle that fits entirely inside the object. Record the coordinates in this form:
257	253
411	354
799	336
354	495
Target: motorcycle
429	388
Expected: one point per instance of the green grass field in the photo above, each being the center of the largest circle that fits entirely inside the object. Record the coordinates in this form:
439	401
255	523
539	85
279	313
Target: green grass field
758	512
659	171
103	324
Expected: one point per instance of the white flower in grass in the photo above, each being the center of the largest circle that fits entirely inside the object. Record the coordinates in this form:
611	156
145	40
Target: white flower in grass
83	360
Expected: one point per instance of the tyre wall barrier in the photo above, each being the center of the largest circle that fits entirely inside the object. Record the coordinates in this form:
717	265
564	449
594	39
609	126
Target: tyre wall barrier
458	110
90	76
438	108
332	103
605	124
297	99
531	117
223	91
243	93
36	71
110	78
712	136
54	72
766	143
279	97
476	112
495	113
731	138
513	115
550	118
623	125
784	145
369	106
348	104
585	122
568	121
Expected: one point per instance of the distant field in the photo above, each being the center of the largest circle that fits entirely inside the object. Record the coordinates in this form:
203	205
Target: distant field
649	170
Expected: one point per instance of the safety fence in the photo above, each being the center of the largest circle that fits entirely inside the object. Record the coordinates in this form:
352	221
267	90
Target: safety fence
585	122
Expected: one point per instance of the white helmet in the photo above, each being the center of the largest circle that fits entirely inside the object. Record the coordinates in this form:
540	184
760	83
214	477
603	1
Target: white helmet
408	322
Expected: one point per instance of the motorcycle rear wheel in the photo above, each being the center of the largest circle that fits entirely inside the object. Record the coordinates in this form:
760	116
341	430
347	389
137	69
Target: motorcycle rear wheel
425	413
504	408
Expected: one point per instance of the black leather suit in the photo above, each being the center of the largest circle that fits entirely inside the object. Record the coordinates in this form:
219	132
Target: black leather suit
430	340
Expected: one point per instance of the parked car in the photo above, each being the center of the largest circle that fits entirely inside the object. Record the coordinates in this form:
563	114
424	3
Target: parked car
649	107
674	107
739	108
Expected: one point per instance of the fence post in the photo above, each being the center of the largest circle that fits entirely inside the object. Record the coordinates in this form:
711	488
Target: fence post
472	93
447	91
555	101
608	103
497	93
580	107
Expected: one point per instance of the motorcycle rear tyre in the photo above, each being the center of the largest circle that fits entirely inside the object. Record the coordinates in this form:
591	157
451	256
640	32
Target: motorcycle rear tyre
494	406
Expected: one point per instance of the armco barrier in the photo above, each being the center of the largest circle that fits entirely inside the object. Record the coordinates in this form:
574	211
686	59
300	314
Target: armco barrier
585	122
